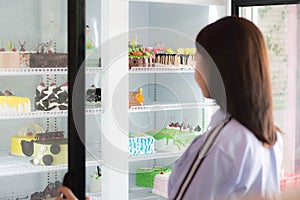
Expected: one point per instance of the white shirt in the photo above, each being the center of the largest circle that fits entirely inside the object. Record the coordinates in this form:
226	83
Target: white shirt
237	167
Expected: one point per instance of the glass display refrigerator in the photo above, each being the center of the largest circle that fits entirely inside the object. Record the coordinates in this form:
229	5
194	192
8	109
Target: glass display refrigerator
142	96
111	94
64	98
279	22
49	108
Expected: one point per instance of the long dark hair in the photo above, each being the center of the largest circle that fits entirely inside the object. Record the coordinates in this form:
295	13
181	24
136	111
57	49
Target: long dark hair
238	50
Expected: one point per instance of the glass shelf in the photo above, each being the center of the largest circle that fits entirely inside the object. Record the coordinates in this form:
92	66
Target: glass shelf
157	155
46	114
162	107
16	165
42	71
162	69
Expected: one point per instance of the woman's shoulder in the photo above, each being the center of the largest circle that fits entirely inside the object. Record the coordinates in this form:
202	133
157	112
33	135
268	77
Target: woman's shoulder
235	138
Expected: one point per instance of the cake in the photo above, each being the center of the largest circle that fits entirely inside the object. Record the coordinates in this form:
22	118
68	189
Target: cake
140	144
48	60
136	98
25	58
92	55
174	59
161	184
95	183
12	104
175	137
183	57
50	148
52	97
93	95
50	192
26	133
140	56
145	175
92	58
9	59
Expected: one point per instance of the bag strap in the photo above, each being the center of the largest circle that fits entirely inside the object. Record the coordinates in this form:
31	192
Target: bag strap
208	143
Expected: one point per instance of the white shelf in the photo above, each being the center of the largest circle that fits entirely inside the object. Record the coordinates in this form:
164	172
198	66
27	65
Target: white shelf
163	107
45	114
158	155
93	111
187	2
162	69
42	71
140	193
16	165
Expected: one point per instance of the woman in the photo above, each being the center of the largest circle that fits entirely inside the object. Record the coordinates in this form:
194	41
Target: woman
244	162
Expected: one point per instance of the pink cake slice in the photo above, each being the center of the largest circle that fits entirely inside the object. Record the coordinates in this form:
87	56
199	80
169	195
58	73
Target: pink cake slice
161	184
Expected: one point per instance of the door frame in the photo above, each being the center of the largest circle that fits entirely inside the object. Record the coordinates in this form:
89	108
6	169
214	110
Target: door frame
235	4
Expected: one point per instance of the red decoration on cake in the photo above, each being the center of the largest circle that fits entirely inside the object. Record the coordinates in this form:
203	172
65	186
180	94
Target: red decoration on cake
8	93
2	48
139	56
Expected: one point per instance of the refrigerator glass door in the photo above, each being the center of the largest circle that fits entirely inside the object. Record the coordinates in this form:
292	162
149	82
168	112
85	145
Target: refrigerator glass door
34	96
93	98
280	25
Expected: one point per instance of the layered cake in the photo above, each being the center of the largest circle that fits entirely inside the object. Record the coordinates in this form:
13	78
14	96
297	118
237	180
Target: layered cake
183	57
161	184
12	104
50	148
25	58
175	137
52	97
26	133
145	175
136	98
140	56
140	144
48	60
93	95
9	59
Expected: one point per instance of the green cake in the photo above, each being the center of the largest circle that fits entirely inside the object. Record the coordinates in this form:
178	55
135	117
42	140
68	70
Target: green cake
173	140
145	175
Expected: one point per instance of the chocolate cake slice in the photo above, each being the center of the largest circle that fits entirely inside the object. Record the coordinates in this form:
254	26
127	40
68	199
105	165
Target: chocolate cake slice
48	60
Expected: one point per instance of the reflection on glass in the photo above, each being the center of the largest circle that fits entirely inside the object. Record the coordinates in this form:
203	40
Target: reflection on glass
279	26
